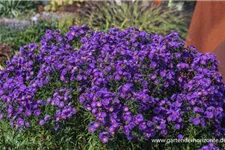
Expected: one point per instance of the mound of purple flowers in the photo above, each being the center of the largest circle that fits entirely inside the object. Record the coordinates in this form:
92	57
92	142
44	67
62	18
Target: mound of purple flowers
133	82
145	84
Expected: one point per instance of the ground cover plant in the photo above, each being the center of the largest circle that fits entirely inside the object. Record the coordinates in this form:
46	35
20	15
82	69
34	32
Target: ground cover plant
31	34
18	8
118	89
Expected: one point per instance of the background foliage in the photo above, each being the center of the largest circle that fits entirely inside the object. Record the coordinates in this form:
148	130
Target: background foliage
152	18
32	34
16	8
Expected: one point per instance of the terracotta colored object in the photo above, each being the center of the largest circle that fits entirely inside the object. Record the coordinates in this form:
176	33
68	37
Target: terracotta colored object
207	30
220	55
157	2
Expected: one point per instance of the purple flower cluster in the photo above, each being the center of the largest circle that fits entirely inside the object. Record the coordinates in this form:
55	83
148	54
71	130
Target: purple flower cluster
210	146
30	71
134	82
145	84
62	101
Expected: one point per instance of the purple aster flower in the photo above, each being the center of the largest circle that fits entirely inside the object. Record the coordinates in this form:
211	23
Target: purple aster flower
61	104
162	126
55	102
196	121
49	100
147	135
139	118
91	129
153	65
99	104
197	109
125	108
79	77
149	123
47	118
126	87
57	127
39	101
156	110
28	112
1	92
177	126
209	114
143	126
41	122
10	110
105	102
1	116
93	104
162	73
153	77
180	136
23	103
20	122
11	123
57	119
96	124
104	137
37	113
164	132
27	124
117	77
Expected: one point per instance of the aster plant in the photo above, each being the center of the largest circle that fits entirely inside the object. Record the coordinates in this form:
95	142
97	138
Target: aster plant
135	85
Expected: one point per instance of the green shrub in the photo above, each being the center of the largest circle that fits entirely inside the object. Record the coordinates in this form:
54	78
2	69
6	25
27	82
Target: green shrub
13	8
156	19
31	34
151	18
68	19
54	5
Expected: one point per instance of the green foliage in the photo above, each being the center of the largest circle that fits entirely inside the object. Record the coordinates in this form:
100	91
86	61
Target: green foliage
13	8
68	19
157	19
75	136
34	33
7	34
185	1
54	5
12	139
152	18
31	34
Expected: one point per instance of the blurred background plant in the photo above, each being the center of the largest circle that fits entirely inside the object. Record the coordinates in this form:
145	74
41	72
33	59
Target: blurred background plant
182	5
146	16
31	34
5	53
149	16
16	8
54	5
65	20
